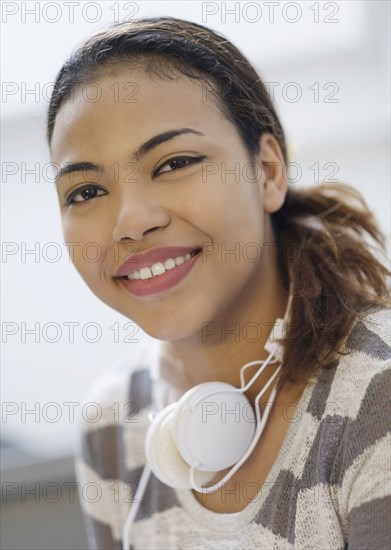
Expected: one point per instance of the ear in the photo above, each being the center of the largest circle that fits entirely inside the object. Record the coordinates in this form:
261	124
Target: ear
274	179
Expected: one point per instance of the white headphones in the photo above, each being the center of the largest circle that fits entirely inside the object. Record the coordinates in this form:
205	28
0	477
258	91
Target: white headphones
211	428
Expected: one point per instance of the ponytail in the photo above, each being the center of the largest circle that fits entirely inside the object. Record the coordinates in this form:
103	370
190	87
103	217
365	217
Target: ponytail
332	269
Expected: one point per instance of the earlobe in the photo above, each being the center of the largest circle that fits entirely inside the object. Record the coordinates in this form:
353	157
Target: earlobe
273	195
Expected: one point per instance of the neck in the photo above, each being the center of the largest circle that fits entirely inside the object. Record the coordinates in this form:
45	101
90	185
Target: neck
235	338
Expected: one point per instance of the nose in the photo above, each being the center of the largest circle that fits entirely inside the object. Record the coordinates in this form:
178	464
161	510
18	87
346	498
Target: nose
136	215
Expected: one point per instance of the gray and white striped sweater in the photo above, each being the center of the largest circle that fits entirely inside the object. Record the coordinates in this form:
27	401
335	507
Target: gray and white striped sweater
329	487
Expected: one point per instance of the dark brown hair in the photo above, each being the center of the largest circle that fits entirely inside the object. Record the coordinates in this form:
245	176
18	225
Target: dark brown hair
335	276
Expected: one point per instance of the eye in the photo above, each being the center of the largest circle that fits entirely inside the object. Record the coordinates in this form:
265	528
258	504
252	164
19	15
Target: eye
177	163
84	194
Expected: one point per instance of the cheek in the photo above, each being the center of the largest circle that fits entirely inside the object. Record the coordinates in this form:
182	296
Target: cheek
238	242
239	218
86	253
233	196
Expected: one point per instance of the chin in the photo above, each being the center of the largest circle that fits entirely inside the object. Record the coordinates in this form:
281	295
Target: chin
169	326
166	333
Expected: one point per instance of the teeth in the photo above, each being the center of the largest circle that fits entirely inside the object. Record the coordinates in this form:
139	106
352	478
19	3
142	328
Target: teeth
159	268
169	264
145	273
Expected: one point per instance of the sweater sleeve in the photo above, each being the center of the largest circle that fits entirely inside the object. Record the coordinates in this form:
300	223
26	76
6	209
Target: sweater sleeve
366	488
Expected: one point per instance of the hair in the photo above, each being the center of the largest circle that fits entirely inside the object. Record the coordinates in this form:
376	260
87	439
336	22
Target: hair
335	277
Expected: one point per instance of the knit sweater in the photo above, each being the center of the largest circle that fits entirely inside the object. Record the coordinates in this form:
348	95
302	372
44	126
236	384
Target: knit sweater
329	487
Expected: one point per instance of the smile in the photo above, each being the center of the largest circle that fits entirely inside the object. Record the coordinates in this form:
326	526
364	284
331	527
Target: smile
160	276
157	269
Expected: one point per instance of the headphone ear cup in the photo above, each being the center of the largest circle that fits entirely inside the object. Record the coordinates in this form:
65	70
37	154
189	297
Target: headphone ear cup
212	432
163	456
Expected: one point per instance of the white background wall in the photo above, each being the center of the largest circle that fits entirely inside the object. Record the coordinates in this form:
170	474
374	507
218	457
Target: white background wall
347	50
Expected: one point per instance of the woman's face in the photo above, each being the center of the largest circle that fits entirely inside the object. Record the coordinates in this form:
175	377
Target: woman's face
136	202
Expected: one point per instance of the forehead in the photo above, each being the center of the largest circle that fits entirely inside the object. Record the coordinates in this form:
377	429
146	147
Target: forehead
131	103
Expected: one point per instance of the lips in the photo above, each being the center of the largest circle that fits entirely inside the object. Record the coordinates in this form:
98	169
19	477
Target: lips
153	286
137	261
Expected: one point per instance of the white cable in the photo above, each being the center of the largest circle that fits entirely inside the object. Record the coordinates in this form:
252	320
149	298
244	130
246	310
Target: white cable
135	506
142	484
266	361
242	389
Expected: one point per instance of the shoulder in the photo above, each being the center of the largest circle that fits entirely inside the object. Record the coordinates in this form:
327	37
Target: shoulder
349	402
344	439
363	388
117	403
112	425
109	450
362	368
371	336
127	378
364	363
349	415
364	373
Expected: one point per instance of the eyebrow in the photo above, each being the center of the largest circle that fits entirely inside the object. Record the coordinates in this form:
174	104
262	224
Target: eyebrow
150	144
161	138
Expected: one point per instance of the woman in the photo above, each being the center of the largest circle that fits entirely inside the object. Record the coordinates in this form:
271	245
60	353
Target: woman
173	163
